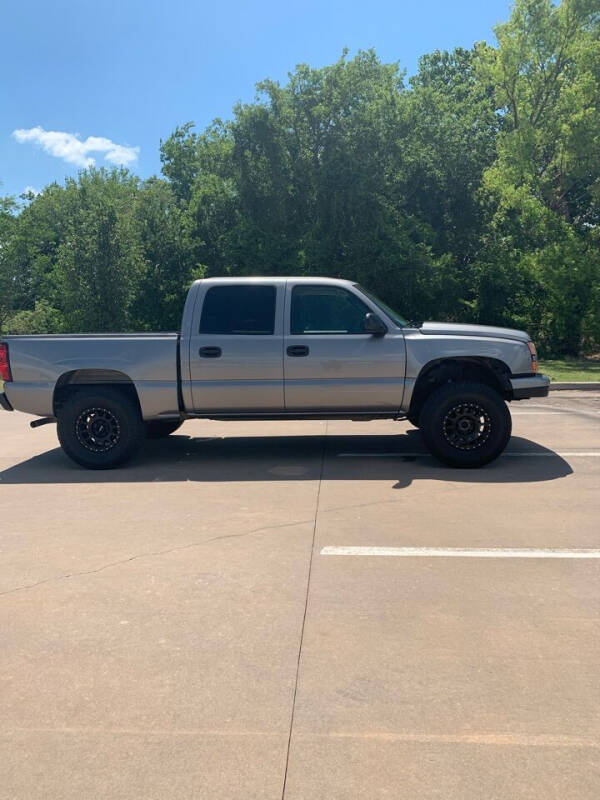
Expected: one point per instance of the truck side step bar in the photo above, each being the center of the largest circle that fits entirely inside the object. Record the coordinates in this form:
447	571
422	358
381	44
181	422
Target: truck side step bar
42	421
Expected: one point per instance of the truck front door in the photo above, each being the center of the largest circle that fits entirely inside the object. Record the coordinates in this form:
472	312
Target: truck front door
236	348
330	363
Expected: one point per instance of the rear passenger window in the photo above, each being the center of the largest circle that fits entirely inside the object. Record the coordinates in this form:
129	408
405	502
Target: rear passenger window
239	310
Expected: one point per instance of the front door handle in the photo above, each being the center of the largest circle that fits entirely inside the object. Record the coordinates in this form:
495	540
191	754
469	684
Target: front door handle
298	350
209	352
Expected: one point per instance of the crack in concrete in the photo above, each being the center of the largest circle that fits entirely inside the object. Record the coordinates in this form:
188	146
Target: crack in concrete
310	565
152	554
402	501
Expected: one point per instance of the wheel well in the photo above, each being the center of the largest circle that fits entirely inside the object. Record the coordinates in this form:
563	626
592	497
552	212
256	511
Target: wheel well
490	371
70	382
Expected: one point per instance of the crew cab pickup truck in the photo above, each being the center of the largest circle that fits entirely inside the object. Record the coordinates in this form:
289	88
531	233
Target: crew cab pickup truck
274	348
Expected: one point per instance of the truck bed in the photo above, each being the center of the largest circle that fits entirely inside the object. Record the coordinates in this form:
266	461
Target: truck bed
41	362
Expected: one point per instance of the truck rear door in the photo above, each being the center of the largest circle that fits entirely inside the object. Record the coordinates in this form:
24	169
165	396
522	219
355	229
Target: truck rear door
236	348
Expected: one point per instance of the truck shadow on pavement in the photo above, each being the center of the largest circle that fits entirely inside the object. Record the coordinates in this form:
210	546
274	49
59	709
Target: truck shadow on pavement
401	458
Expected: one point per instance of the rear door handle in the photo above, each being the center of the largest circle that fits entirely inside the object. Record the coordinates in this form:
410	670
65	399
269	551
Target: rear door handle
298	350
209	352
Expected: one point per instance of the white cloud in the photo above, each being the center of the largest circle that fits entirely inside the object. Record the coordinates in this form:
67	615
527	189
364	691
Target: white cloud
73	150
31	189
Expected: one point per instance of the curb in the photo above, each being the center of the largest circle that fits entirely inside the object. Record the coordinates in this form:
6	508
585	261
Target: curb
585	386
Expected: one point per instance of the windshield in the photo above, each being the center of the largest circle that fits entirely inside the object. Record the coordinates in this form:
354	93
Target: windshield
393	315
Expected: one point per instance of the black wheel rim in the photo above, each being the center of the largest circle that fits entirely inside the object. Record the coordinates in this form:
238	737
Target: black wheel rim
467	426
98	430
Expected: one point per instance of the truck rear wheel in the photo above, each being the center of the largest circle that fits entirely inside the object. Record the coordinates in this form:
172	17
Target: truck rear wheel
161	428
465	424
100	428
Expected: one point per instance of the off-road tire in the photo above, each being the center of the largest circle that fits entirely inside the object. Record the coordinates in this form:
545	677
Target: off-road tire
465	424
100	428
160	429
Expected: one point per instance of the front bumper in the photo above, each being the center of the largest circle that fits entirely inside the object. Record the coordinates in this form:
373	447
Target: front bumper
530	386
4	402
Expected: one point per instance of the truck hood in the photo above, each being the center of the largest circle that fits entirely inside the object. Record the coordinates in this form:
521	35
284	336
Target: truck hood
458	329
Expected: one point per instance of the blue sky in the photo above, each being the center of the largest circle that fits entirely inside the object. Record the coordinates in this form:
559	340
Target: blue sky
126	72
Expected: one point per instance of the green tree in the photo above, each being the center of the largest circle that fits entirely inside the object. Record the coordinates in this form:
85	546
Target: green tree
168	268
42	319
541	245
31	250
8	277
473	193
99	262
305	180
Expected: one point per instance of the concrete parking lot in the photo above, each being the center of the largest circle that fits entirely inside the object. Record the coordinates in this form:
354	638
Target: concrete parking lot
173	629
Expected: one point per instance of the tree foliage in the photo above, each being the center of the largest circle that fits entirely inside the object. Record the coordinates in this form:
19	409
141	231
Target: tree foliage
470	192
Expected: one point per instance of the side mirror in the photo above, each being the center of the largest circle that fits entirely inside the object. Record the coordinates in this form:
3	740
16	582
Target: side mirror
375	325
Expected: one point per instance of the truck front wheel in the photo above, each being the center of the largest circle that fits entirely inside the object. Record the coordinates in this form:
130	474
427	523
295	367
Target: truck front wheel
465	424
100	428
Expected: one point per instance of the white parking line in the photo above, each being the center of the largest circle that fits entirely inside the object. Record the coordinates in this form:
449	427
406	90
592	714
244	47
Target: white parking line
461	552
513	453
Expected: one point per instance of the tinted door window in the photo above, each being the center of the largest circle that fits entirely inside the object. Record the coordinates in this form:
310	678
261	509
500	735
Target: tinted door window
239	310
326	309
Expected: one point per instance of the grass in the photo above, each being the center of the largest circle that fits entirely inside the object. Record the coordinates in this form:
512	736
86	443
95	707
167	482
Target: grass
571	370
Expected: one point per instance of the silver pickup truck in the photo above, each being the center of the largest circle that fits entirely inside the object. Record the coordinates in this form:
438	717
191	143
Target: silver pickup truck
274	348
